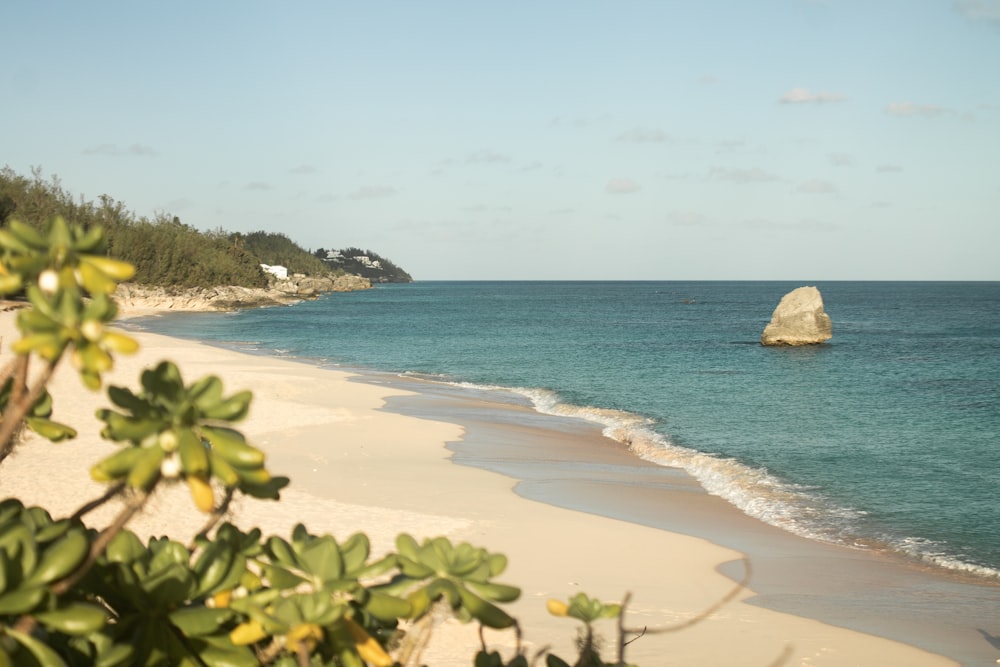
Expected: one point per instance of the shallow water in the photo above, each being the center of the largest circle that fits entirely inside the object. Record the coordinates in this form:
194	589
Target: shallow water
885	437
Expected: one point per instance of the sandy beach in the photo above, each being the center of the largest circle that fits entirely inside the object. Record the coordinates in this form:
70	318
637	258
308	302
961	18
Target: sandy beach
357	466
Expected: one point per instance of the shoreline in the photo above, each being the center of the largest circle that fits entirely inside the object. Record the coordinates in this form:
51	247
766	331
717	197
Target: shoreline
883	593
358	463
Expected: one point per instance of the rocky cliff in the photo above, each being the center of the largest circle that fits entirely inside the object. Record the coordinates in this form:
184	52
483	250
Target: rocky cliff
133	298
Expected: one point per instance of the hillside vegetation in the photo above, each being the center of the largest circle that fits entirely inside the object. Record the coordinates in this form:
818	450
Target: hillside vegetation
165	251
364	263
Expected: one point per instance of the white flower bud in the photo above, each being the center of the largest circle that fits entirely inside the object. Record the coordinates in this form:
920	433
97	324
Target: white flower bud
48	281
92	330
171	467
168	441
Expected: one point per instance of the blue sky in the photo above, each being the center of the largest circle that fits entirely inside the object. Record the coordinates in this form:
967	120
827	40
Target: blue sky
788	139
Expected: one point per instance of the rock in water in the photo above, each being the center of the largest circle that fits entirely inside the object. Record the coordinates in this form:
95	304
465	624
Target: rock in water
798	320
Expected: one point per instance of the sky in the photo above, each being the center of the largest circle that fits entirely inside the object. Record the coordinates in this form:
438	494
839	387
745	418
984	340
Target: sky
567	139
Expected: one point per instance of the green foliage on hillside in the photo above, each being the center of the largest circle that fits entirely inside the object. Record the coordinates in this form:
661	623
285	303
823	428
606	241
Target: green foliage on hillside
278	250
164	250
364	263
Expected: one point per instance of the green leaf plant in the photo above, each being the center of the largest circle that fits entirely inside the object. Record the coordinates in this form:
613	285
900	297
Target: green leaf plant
74	595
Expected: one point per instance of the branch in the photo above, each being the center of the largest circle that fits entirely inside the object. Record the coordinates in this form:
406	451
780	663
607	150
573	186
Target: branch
621	630
18	409
302	654
9	367
112	491
97	547
726	599
217	514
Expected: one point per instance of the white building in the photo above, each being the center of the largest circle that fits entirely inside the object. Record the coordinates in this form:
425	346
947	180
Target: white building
280	272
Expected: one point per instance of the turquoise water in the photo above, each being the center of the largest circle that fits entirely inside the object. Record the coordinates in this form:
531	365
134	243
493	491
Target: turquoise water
886	437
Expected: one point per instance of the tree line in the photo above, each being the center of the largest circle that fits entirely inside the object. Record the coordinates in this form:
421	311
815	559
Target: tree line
164	250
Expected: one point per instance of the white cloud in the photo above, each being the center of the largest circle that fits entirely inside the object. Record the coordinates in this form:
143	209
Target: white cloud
816	187
578	121
803	225
258	185
911	109
979	10
754	175
841	159
486	157
687	219
116	151
805	96
304	169
485	208
621	186
641	135
175	205
373	192
888	169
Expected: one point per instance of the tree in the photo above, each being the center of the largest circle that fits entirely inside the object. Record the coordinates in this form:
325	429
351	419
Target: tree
7	207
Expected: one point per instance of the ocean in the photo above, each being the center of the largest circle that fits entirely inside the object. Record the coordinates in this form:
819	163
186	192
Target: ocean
887	437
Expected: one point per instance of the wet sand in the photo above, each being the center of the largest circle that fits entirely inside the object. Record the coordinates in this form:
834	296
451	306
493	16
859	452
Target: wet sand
567	462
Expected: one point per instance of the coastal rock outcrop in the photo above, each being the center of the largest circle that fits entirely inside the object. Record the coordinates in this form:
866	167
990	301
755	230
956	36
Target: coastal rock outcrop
302	286
132	297
799	320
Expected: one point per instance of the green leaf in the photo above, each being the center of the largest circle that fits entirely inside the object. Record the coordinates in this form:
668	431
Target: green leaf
50	430
281	551
206	392
167	552
220	652
231	409
199	621
270	490
281	578
355	552
124	398
45	656
552	660
485	612
61	557
387	608
146	470
22	600
495	592
169	586
323	559
76	618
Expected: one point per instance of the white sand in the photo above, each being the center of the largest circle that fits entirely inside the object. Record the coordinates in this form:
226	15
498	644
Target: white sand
355	468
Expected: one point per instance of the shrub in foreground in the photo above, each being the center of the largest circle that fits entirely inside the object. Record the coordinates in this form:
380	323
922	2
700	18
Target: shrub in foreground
74	595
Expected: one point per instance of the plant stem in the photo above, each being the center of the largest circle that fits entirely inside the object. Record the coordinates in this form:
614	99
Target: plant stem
21	403
97	547
216	517
112	491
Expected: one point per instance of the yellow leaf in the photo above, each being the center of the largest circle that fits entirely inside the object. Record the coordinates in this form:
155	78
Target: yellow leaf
557	608
250	632
303	633
366	646
201	493
119	342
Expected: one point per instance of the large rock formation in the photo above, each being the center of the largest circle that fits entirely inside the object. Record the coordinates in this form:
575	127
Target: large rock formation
799	320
